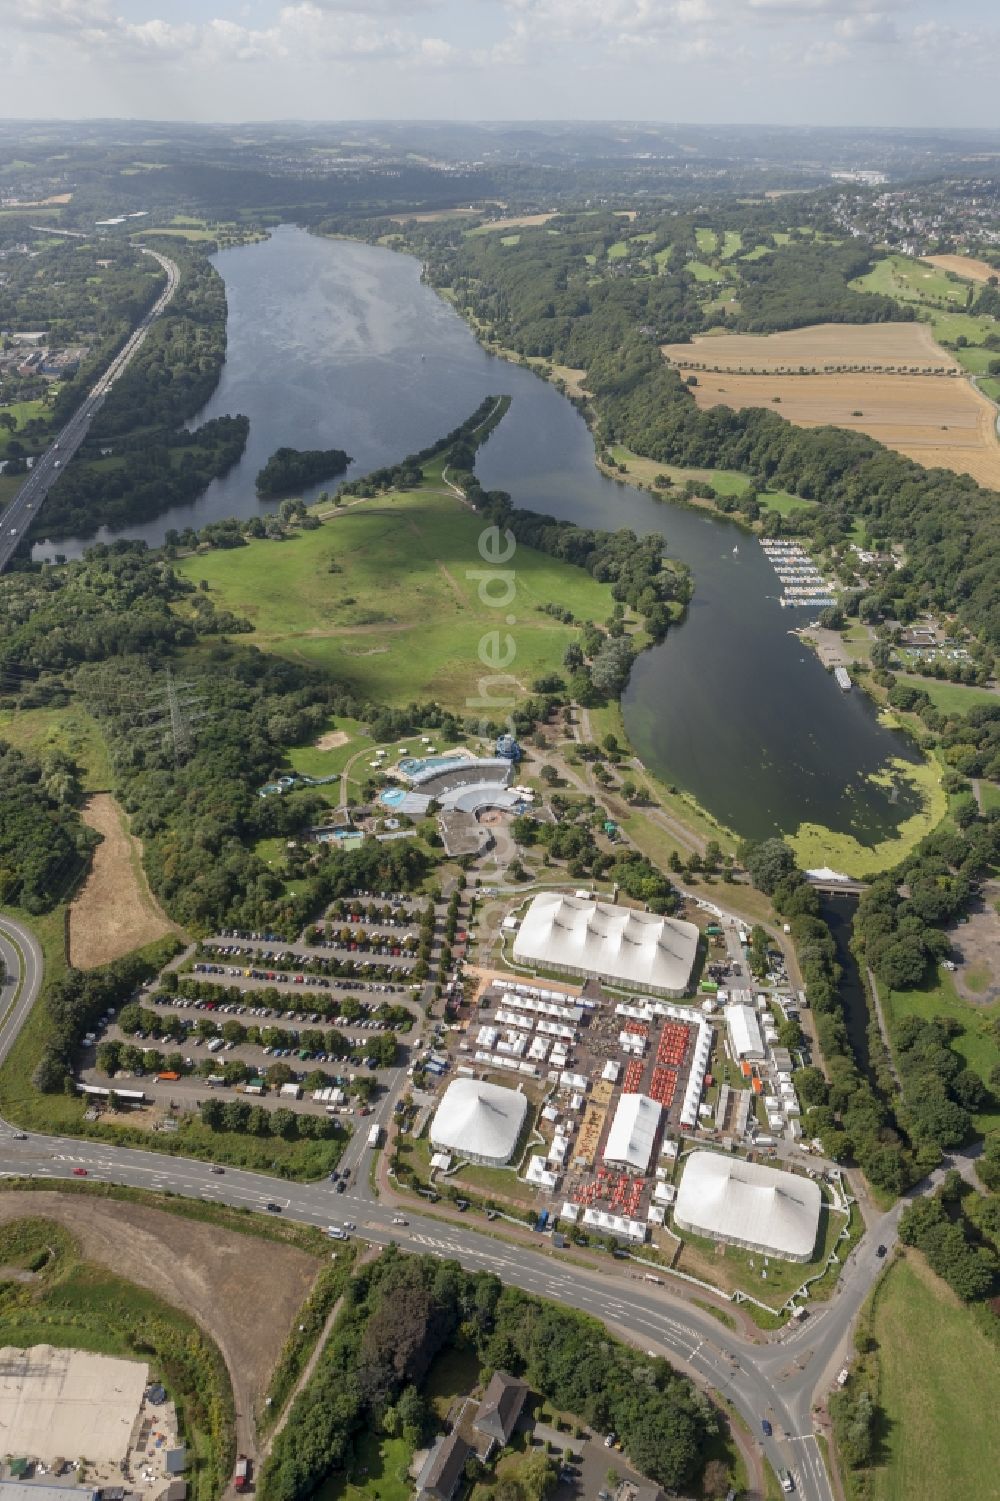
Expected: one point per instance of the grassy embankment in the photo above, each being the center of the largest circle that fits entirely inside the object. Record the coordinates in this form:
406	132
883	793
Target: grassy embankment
73	1304
323	597
645	472
936	1373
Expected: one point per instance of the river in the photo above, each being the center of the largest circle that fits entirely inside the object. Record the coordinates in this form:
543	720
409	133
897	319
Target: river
338	344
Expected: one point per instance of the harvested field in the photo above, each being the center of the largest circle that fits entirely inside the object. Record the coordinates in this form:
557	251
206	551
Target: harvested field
937	421
115	911
215	1275
963	265
822	347
516	221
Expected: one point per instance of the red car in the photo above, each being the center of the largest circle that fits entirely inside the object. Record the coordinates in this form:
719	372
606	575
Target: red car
79	1172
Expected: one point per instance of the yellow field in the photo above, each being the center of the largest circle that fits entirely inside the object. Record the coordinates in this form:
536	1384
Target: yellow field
823	347
939	422
962	265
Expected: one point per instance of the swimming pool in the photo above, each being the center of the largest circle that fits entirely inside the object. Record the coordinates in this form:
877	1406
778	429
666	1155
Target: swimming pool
392	796
415	765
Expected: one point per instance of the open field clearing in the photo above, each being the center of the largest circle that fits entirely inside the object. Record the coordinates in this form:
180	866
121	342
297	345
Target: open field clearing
70	731
963	265
939	1375
516	221
114	911
213	1274
821	347
939	422
910	280
431	216
393	598
974	1011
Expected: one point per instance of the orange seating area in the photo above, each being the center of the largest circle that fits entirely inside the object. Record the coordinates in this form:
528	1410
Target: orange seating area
633	1076
636	1029
673	1044
664	1086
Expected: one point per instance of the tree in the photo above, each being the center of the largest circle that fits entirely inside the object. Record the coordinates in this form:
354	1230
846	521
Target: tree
768	863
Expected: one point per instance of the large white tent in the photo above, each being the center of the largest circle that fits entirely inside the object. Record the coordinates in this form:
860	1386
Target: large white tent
745	1038
633	1132
479	1121
760	1208
636	950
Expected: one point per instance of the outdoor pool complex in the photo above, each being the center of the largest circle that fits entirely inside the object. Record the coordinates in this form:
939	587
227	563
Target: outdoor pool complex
416	766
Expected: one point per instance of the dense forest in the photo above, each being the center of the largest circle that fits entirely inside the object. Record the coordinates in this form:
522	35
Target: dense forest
401	1312
292	469
43	842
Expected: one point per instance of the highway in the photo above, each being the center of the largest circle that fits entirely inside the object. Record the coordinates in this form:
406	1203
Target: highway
780	1379
49	466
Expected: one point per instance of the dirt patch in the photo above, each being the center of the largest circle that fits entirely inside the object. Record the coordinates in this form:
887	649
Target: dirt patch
243	1291
976	944
519	221
431	216
115	911
332	740
962	265
823	347
938	421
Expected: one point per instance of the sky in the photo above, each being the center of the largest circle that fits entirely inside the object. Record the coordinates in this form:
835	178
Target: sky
818	62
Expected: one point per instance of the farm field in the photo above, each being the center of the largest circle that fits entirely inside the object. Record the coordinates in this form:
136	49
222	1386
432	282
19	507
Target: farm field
387	596
516	221
822	346
938	422
936	1443
114	911
963	265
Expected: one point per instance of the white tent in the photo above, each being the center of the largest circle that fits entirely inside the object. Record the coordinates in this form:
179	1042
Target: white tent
761	1208
635	949
479	1121
633	1132
744	1032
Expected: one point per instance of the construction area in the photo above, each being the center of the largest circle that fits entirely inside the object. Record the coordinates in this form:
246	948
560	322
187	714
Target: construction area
71	1410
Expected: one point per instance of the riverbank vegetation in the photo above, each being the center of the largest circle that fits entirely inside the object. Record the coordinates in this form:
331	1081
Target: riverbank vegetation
543	297
138	458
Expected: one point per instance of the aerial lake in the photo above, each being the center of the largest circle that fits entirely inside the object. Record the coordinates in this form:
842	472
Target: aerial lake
338	344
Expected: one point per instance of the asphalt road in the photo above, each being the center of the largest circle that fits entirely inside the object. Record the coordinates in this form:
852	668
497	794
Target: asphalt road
779	1380
48	467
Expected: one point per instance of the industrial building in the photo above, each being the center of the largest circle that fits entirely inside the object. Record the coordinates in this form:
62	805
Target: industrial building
633	1133
479	1121
632	950
759	1208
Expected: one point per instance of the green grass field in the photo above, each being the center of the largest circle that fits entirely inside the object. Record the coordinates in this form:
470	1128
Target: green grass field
977	1042
702	272
22	413
910	280
725	481
69	730
939	1376
707	241
950	698
411	610
757	253
990	794
732	242
618	251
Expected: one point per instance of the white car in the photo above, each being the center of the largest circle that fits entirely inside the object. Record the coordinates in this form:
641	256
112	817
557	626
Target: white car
398	1219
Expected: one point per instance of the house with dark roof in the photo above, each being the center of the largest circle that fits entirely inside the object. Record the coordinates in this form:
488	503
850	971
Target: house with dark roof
501	1407
439	1479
